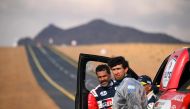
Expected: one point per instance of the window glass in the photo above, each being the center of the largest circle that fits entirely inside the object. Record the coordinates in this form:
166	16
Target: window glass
91	78
184	83
185	87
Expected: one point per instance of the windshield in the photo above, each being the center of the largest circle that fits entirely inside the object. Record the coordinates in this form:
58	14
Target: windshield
185	87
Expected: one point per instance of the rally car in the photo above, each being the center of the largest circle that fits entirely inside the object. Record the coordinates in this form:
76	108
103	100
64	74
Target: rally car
173	79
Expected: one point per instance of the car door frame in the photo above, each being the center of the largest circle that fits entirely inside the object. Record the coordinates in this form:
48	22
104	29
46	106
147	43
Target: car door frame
81	98
158	76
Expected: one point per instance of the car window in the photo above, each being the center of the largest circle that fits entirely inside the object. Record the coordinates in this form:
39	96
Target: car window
158	77
184	83
168	72
91	78
185	78
185	87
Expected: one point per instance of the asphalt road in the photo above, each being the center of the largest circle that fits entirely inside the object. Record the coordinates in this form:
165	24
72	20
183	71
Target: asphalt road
54	74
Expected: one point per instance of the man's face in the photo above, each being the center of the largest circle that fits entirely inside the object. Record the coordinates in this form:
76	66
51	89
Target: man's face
103	78
147	88
119	72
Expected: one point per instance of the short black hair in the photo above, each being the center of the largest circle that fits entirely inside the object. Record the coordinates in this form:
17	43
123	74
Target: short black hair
117	61
103	67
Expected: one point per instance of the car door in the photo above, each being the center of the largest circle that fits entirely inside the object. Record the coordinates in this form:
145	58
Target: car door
86	78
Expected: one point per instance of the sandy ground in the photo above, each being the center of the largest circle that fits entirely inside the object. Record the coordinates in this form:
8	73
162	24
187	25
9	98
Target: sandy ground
18	87
143	58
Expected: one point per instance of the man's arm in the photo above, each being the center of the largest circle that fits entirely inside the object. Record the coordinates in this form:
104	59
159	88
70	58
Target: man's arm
119	102
92	103
130	95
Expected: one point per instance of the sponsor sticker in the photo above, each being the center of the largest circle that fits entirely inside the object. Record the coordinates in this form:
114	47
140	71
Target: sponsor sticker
162	104
105	103
168	72
173	107
178	98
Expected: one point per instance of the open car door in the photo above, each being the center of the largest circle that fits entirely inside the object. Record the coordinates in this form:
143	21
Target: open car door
86	78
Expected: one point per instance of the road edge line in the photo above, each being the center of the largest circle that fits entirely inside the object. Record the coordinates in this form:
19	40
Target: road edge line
46	76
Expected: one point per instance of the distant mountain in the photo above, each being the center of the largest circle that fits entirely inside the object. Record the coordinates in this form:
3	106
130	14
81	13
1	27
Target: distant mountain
50	32
26	41
99	31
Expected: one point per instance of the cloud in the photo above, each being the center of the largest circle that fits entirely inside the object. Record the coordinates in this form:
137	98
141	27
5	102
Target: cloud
20	18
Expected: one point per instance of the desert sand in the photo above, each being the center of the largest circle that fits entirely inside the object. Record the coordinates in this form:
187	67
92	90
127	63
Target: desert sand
143	58
20	90
18	87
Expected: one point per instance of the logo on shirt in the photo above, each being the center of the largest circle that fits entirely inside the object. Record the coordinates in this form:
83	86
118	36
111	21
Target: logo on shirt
105	104
103	93
131	88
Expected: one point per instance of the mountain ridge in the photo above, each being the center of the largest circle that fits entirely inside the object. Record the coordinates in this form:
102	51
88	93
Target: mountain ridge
99	31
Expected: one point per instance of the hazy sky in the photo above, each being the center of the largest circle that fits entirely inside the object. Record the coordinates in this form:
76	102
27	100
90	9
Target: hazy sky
20	18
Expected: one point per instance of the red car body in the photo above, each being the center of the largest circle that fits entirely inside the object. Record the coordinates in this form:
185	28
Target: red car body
174	80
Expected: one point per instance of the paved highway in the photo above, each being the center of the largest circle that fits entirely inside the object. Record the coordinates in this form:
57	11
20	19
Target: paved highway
56	74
